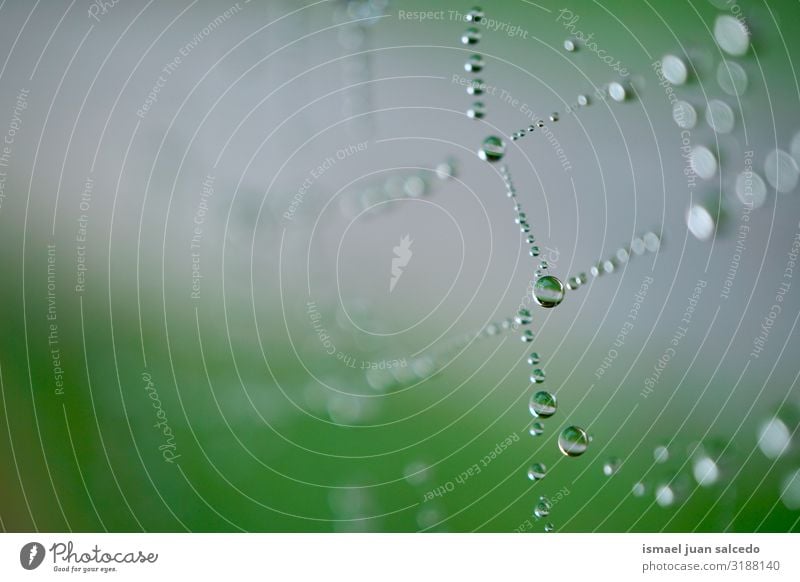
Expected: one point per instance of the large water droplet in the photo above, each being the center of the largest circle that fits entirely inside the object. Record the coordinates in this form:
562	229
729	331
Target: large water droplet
492	149
548	291
731	35
543	404
573	441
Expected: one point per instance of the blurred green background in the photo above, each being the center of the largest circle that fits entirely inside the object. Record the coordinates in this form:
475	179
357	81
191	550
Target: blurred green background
284	151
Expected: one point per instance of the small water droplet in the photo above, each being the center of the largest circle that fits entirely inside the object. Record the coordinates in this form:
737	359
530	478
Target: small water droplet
474	64
533	359
542	508
781	171
751	189
731	35
674	70
703	162
638	489
543	404
732	78
475	15
549	527
665	496
527	336
537	376
623	256
684	114
611	466
573	284
534	251
536	429
617	92
637	246
523	317
477	111
700	222
705	471
774	438
445	170
651	242
569	45
790	490
476	87
537	471
583	100
554	117
661	454
492	149
471	36
573	441
720	116
548	291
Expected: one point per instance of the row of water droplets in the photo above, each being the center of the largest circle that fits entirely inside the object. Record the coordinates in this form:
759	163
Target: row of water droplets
547	291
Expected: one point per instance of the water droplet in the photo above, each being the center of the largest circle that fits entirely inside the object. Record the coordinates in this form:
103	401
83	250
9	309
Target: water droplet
569	45
583	100
637	246
700	222
554	117
781	171
524	227
416	473
445	170
414	186
651	242
638	489
533	359
623	256
661	454
531	128
573	283
492	329
703	162
665	496
543	404
609	266
536	429
617	92
573	441
684	114
523	317
548	291
534	252
674	70
731	35
530	239
540	123
537	376
506	324
475	15
520	218
492	149
542	508
537	471
751	189
596	270
720	116
527	336
795	148
477	111
705	471
611	466
474	64
548	527
790	490
774	438
476	87
732	78
471	36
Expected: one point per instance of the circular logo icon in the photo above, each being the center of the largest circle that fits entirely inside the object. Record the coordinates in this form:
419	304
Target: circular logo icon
31	555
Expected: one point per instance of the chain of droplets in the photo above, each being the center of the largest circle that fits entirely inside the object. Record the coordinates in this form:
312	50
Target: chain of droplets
474	63
647	243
